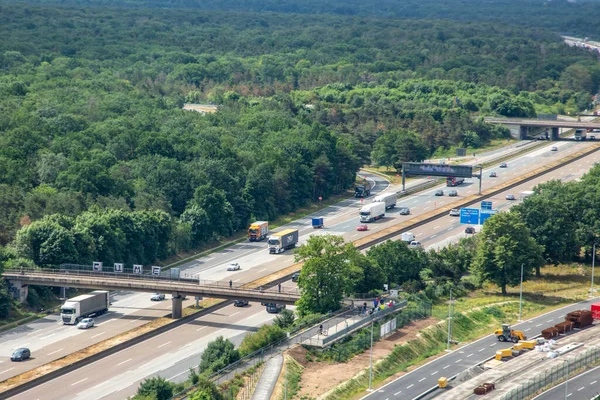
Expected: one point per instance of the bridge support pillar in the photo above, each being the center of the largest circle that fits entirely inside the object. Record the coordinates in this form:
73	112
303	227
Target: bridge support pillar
18	290
554	135
523	132
176	307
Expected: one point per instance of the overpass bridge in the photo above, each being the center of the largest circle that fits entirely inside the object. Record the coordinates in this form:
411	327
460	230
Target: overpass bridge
19	279
526	125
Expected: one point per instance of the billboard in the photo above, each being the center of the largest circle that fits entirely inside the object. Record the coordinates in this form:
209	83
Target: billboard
461	171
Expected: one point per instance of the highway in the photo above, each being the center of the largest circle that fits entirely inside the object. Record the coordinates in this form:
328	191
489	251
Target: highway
583	386
251	269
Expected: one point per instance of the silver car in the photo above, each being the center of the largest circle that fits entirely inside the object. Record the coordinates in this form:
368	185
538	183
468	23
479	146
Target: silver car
157	297
233	267
455	212
510	197
85	323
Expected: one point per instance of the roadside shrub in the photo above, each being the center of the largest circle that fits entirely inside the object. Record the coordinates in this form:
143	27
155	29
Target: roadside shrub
285	319
265	335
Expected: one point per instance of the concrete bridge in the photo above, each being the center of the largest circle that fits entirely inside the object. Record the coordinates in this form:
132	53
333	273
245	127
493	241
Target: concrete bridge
19	279
527	126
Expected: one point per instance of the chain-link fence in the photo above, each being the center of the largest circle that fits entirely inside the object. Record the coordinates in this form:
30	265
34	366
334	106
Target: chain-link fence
554	375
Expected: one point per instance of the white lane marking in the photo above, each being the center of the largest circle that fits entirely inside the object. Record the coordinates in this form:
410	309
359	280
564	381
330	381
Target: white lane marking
432	236
55	351
449	229
492	345
106	322
482	349
421	380
457	361
199	329
538	325
236	280
469	355
101	333
235	313
175	376
83	380
6	370
397	393
46	337
433	373
436	227
528	329
164	344
593	383
123	362
427	202
31	333
264	269
137	319
569	395
408	387
447	366
426	208
550	320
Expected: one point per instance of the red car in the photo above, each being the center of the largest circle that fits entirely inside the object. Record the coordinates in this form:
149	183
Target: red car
362	228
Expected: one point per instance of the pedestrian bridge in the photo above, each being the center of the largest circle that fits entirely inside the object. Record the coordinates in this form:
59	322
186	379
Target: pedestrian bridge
525	126
19	279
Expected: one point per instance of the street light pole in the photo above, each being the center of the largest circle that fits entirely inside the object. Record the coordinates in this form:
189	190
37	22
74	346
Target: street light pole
567	381
593	265
521	295
371	361
449	320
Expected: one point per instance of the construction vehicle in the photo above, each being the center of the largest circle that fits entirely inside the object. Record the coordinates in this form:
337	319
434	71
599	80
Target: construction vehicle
507	334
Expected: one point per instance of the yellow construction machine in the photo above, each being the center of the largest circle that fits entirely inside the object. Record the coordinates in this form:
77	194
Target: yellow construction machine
507	334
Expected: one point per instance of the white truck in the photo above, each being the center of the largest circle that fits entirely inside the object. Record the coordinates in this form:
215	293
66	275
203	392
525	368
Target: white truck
83	306
372	212
526	194
407	237
389	199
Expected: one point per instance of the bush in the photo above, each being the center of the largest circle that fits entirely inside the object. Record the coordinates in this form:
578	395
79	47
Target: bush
157	388
218	354
265	335
285	319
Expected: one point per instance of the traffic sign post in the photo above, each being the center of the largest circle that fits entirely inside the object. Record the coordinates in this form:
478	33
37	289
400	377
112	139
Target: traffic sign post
469	216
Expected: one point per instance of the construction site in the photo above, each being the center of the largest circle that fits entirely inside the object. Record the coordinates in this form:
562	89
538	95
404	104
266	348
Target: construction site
524	367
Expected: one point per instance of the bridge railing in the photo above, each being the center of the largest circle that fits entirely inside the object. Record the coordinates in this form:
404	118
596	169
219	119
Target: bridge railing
182	278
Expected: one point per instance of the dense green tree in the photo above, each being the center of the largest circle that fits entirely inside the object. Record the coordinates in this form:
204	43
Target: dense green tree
504	244
330	272
206	390
399	263
218	354
158	388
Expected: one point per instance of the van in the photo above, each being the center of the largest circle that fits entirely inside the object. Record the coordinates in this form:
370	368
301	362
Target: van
407	237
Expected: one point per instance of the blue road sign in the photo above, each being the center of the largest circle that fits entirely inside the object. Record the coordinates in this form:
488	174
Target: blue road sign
485	214
469	216
486	205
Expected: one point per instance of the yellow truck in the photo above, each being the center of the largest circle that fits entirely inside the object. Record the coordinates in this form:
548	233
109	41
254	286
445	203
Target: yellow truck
507	334
258	231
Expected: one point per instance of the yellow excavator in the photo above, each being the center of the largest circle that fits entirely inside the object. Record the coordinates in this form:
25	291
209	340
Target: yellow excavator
507	334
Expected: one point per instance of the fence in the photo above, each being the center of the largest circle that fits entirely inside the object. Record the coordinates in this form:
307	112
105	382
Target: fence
554	375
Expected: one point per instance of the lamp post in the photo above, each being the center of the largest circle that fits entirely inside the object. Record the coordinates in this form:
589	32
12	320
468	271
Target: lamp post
371	360
567	381
449	321
593	265
521	295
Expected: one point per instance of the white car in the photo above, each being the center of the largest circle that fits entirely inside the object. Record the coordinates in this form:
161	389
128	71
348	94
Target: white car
85	323
157	297
414	244
233	267
455	212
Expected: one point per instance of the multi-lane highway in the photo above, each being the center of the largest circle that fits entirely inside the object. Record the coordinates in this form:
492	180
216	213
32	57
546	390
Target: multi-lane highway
583	386
256	262
418	381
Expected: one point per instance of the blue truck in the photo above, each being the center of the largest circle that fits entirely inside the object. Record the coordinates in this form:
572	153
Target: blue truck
317	222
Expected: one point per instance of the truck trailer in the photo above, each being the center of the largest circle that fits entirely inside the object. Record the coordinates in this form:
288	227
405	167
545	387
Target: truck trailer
372	212
580	134
258	231
318	222
282	241
83	306
362	191
389	199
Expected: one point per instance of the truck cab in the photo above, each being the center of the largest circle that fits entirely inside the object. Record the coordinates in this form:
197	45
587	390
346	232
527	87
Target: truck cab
362	191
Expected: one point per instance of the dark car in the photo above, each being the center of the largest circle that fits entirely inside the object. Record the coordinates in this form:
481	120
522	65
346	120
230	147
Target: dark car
240	303
295	276
404	211
592	137
503	165
275	308
20	354
493	174
439	192
453	193
470	230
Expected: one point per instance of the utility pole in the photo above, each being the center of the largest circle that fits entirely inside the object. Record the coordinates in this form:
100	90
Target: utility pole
521	295
593	265
371	360
449	320
567	381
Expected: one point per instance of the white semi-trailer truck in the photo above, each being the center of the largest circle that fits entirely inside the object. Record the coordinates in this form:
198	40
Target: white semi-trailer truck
83	306
389	199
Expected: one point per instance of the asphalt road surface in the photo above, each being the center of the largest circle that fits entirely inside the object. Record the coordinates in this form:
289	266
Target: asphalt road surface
584	386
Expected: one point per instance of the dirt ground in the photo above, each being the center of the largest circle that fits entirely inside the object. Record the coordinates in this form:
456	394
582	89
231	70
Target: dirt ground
320	377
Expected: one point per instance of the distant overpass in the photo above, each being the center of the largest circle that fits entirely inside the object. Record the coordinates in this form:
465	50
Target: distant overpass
19	279
525	125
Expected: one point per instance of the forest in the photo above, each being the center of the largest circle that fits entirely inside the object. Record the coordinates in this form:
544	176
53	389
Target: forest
99	161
